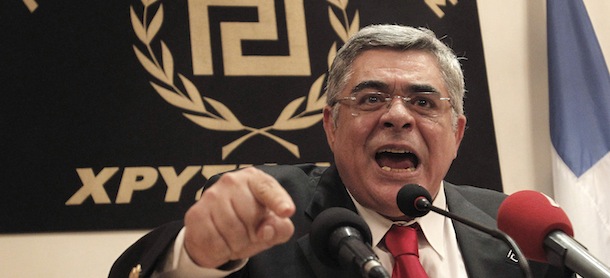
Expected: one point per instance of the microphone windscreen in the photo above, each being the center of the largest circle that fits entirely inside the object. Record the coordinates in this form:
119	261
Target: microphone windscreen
326	223
407	197
528	217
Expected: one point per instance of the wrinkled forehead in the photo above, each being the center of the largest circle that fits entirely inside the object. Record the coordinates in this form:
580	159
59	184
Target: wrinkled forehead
394	71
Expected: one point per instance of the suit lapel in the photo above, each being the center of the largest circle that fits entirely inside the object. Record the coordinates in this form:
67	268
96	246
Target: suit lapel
330	192
484	256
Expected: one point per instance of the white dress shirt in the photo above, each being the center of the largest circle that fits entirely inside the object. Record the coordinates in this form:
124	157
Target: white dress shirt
438	248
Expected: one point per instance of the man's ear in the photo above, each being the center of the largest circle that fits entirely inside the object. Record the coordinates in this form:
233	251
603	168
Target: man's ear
459	133
329	126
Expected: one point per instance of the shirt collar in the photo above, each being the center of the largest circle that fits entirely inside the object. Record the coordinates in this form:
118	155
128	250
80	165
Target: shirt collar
432	224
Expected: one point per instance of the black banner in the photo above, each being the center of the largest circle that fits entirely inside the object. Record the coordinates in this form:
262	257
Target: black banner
114	113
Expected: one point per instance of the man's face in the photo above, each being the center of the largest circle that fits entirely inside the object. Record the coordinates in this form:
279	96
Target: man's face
377	152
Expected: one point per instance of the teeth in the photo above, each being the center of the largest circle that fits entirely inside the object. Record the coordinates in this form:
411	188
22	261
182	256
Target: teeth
394	151
387	168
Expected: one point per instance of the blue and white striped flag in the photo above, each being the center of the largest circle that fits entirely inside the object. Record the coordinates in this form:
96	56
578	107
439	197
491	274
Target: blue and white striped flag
579	96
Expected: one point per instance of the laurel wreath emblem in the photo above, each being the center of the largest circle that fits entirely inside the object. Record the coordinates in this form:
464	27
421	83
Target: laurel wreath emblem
193	103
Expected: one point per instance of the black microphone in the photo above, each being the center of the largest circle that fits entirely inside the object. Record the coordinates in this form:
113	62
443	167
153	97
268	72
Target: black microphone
414	201
340	236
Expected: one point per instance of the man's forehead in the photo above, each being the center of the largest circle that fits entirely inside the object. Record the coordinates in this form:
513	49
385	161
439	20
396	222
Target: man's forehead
367	73
382	86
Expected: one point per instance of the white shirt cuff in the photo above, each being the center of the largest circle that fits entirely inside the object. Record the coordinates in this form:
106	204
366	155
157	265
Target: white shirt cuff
183	266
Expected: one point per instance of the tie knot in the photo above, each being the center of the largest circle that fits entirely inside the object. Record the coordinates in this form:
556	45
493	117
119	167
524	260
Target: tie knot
401	240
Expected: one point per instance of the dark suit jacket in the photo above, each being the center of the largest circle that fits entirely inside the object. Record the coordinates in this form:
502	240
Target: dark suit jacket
315	189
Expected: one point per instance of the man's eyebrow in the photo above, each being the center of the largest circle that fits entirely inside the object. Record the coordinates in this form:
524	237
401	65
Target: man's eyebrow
418	88
370	84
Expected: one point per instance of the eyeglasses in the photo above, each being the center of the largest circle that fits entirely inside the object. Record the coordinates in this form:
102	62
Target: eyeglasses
429	104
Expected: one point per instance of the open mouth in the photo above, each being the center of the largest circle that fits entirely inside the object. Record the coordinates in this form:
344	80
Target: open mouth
396	160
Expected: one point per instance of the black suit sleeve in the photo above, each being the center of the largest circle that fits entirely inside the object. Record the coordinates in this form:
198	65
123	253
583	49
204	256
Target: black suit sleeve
147	251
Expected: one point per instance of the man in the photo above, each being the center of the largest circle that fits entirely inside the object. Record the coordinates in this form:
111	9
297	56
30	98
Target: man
394	116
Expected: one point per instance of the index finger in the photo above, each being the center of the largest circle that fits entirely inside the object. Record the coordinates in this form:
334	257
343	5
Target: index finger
270	193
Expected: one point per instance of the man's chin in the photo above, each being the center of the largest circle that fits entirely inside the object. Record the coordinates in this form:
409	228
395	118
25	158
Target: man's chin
397	217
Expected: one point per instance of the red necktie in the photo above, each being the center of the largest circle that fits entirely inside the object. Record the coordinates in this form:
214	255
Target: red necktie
401	241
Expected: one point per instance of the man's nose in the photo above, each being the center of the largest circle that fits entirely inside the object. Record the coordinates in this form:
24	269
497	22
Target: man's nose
398	114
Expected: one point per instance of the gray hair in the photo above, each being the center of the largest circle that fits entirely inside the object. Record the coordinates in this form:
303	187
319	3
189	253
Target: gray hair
399	38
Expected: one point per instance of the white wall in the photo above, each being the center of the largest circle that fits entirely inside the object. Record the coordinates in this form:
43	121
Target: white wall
514	37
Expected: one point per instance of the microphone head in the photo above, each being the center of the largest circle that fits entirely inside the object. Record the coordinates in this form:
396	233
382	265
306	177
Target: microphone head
329	221
528	217
409	200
